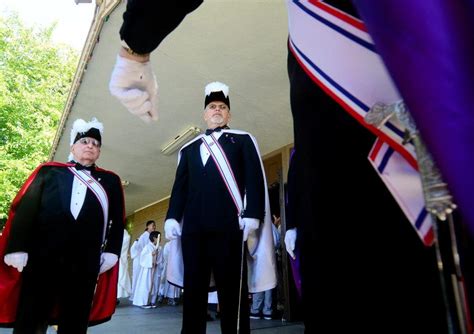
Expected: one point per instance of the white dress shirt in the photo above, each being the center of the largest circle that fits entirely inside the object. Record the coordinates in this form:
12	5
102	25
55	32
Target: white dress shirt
78	195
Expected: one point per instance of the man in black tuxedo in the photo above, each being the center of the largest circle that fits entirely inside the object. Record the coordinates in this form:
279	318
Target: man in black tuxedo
64	229
213	227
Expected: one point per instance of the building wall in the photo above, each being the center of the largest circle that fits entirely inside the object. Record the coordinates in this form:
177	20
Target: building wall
276	163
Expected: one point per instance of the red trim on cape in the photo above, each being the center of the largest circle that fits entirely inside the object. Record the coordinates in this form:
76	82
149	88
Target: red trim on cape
10	279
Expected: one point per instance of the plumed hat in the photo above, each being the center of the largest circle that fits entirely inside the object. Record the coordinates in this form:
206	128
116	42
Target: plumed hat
81	129
216	91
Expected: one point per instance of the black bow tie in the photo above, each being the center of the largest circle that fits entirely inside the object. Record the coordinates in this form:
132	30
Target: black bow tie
218	129
82	167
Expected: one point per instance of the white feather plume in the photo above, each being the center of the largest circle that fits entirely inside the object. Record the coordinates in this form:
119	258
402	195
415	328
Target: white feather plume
80	125
217	86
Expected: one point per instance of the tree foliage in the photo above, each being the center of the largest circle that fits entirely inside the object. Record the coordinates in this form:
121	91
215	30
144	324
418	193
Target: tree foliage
35	78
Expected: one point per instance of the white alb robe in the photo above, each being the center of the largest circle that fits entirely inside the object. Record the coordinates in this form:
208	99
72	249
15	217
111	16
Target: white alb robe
166	289
135	252
124	286
148	281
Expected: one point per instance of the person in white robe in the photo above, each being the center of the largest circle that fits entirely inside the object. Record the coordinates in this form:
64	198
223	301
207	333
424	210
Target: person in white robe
169	291
124	286
136	250
135	256
148	282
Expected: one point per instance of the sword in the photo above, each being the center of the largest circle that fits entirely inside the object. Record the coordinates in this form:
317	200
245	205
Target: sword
440	205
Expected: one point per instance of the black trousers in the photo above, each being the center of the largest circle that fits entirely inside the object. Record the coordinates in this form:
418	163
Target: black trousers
219	252
363	259
56	290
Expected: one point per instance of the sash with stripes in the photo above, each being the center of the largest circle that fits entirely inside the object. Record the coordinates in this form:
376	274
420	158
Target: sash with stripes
404	183
225	170
97	190
356	82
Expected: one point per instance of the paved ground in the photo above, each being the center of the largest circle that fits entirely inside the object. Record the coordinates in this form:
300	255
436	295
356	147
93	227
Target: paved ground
167	320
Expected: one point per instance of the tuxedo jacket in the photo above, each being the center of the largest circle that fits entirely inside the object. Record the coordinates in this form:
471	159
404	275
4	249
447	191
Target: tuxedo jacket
200	197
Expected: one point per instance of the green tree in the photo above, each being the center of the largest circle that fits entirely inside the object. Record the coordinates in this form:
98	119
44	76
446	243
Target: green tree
35	78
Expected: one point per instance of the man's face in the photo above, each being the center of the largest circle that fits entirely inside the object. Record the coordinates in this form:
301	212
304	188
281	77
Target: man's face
216	114
86	150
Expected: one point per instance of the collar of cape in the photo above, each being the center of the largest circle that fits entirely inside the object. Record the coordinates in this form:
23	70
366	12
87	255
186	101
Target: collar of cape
237	132
69	164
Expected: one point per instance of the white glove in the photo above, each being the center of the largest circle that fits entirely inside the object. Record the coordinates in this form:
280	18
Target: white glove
17	260
172	229
290	242
134	85
249	225
107	261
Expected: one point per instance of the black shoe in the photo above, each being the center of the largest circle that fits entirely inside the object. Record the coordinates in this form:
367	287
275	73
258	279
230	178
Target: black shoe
267	316
209	317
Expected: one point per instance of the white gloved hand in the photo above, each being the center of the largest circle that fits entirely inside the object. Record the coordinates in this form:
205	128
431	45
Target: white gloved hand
172	229
249	225
290	242
107	261
17	260
134	85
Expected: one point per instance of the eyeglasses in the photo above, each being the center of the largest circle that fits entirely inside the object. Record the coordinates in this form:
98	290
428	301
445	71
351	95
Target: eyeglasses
213	106
87	141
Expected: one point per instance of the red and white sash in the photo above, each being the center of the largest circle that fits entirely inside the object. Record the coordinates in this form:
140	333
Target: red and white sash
404	183
321	37
223	166
97	190
356	82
